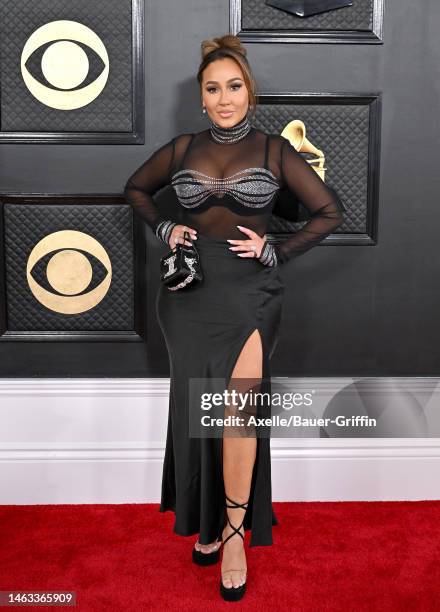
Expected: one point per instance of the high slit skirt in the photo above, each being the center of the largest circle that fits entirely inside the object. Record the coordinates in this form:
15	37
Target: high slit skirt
205	328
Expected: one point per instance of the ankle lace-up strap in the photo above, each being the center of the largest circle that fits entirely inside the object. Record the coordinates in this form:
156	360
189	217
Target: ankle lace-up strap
236	529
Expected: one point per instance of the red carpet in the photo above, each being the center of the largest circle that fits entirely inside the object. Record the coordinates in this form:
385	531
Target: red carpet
348	556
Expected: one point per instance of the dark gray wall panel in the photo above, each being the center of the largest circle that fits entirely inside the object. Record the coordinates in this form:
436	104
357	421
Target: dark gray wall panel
111	110
110	226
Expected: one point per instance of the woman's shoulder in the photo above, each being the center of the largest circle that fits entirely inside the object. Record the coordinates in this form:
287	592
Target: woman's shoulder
181	141
188	135
269	134
182	137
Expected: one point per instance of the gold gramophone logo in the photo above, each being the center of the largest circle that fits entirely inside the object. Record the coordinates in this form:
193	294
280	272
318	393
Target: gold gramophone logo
295	133
69	272
64	64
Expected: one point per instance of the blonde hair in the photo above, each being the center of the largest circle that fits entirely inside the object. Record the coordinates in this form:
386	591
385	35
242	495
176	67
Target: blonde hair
229	46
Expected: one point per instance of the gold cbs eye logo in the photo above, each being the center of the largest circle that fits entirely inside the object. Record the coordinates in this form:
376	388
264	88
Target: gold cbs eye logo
69	272
64	64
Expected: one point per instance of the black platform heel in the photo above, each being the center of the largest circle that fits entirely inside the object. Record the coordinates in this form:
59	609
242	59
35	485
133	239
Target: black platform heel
205	559
233	593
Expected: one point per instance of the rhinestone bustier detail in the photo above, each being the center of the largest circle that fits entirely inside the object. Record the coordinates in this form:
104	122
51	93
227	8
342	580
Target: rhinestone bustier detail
252	187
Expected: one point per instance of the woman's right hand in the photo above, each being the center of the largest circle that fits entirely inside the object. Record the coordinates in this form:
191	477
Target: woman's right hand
177	235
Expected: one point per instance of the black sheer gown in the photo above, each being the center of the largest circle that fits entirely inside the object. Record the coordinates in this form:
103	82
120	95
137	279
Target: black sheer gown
205	327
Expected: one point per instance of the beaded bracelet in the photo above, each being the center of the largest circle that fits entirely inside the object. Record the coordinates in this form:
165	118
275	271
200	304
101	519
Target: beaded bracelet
268	256
164	229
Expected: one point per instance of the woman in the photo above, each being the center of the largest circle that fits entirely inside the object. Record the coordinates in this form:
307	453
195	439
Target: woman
226	178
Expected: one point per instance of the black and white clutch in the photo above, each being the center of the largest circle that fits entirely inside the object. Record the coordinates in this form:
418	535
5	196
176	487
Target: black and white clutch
181	267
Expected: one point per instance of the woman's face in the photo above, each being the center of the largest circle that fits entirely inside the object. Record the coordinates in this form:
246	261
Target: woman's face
224	93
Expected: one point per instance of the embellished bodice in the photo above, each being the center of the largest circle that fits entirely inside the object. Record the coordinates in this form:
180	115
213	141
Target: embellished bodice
222	186
219	179
253	188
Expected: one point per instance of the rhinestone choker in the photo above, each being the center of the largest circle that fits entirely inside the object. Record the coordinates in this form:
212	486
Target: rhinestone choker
229	135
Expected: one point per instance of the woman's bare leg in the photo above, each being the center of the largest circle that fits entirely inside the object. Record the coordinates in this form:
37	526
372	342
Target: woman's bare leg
238	461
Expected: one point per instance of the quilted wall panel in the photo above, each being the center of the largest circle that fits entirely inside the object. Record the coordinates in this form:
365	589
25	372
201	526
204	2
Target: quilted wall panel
257	15
110	110
108	227
341	131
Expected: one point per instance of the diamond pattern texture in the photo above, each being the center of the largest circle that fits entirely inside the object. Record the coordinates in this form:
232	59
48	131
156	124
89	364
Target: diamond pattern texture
341	131
110	225
111	111
257	15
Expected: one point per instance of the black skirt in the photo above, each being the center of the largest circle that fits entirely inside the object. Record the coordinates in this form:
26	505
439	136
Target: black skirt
205	328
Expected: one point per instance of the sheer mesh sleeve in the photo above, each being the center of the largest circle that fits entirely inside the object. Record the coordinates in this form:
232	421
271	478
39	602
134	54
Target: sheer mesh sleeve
149	178
321	202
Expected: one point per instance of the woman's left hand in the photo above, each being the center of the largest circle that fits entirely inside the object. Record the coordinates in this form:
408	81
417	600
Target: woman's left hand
251	247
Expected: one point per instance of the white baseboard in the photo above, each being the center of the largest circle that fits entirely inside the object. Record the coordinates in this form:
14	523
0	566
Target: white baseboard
102	441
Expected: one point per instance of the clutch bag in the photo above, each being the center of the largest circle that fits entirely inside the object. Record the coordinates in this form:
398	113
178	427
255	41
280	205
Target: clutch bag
181	267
